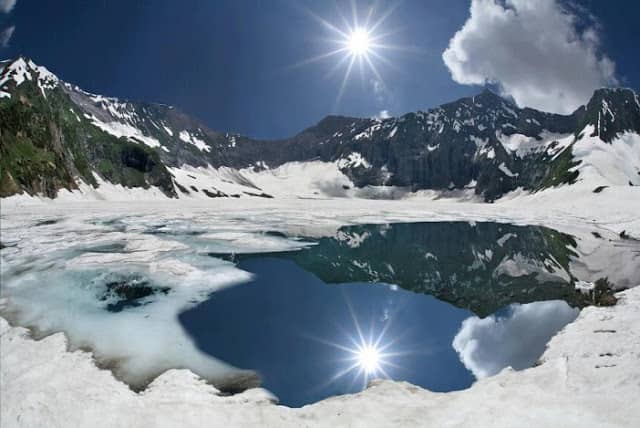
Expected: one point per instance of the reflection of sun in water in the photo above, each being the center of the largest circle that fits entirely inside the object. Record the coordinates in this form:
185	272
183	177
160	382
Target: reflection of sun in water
369	358
366	356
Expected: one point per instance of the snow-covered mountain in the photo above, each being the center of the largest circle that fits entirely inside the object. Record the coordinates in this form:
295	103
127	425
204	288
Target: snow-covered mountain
54	135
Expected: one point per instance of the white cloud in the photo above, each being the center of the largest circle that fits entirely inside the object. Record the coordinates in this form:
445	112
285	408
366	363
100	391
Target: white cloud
537	51
5	36
488	345
7	5
384	98
379	90
383	114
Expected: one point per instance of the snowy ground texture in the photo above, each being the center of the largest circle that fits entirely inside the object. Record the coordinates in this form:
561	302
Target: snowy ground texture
588	376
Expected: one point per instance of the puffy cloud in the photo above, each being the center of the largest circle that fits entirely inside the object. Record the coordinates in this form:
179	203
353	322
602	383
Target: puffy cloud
539	52
517	339
7	5
5	36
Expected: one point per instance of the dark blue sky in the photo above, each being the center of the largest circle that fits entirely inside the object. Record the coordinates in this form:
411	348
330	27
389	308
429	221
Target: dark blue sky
229	62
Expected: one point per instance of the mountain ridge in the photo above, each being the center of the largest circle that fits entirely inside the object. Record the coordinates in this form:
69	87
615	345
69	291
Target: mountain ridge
55	135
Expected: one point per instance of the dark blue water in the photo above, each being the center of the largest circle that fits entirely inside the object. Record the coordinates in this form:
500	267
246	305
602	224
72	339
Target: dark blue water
304	312
292	329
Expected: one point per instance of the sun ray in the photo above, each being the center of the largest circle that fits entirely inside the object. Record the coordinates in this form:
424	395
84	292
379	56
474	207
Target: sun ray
318	57
354	318
385	61
333	70
399	48
354	12
330	343
324	22
344	82
367	20
345	21
382	36
384	16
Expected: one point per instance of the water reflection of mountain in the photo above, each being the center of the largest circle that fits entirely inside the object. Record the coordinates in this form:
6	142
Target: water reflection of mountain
477	266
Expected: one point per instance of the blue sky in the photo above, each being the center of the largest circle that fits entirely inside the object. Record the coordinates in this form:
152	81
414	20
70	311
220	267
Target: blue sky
232	63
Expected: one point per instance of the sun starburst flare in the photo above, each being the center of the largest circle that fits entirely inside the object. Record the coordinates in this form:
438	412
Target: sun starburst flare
366	356
369	358
356	42
359	42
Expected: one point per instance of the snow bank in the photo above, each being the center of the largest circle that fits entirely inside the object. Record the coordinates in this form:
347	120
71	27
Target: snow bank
121	129
522	145
613	164
292	180
192	139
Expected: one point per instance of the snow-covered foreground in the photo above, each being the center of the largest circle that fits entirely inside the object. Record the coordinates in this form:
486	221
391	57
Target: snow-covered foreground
588	371
589	376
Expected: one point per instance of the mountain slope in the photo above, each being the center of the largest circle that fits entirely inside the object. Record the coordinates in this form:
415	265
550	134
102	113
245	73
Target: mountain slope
53	135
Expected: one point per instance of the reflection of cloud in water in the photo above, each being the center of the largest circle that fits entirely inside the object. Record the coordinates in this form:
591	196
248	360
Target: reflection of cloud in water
514	337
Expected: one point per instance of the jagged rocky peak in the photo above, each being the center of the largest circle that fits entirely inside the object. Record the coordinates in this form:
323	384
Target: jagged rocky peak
334	122
485	100
613	111
331	125
15	72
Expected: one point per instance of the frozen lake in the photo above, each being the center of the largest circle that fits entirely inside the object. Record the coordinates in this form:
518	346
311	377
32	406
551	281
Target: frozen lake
243	303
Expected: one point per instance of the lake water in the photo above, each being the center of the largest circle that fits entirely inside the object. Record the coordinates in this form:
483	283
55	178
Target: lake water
308	318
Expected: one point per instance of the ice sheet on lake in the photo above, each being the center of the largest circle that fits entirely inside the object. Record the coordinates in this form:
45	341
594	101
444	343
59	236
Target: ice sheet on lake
117	284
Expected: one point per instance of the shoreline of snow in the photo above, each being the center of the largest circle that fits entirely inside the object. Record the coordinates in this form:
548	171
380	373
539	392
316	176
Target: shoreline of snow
585	378
614	209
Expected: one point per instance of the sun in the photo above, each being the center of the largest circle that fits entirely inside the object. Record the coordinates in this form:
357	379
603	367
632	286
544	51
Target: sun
368	358
359	42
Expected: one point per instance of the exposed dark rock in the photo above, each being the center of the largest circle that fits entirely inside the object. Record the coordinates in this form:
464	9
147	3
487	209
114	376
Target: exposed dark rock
259	195
46	222
214	194
128	292
599	189
603	293
181	188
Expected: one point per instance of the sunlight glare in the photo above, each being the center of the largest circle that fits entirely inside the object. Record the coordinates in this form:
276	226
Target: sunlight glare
359	42
369	359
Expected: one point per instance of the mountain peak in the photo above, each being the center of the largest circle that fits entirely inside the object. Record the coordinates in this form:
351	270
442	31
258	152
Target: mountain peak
612	92
487	95
16	71
613	111
332	123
